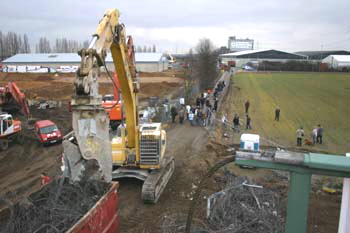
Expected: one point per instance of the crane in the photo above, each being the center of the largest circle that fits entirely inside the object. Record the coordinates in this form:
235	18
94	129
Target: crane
137	151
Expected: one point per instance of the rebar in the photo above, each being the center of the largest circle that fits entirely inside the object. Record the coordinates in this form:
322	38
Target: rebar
49	212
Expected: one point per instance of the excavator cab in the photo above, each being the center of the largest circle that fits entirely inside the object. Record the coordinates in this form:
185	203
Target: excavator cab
5	123
8	126
9	130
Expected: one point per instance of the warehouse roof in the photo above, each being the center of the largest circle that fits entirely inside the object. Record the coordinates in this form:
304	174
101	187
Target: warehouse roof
43	58
149	57
73	58
341	58
264	54
235	54
319	55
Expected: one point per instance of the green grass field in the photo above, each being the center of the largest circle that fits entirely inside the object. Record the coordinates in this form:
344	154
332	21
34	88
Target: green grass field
305	99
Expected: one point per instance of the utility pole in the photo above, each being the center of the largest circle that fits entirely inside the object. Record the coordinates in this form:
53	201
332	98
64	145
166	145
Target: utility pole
321	58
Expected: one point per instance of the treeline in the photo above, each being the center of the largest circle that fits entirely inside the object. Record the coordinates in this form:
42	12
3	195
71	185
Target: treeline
289	66
61	45
12	43
308	66
146	49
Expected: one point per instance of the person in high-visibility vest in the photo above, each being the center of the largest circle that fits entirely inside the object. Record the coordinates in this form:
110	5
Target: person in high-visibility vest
45	179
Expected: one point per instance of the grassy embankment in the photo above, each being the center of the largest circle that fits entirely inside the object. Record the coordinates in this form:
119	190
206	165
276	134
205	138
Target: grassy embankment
305	99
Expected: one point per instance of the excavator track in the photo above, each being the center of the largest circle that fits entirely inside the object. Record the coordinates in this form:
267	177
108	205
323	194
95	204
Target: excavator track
156	181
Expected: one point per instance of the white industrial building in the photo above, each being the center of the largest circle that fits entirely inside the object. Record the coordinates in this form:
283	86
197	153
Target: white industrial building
338	62
151	62
69	62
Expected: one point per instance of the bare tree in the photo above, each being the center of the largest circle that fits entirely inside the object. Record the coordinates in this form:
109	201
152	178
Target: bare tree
144	49
139	49
20	44
85	44
205	64
43	46
1	46
63	45
154	50
10	44
26	46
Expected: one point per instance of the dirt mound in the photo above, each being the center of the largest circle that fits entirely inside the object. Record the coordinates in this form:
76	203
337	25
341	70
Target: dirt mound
156	74
51	90
157	89
44	78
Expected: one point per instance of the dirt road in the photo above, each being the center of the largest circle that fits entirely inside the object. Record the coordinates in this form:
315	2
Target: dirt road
186	144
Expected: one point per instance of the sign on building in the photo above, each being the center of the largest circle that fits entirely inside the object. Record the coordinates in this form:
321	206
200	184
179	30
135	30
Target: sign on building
236	45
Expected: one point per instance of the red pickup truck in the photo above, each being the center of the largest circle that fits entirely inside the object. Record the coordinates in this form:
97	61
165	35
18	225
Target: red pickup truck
47	132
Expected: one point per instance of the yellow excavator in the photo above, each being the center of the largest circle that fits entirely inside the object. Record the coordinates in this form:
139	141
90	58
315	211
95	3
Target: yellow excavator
137	150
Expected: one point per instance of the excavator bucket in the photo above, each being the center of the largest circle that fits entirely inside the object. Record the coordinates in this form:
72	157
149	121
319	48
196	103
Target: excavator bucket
88	153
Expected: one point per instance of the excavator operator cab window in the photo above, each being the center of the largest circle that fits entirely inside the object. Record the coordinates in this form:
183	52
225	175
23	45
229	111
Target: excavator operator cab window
6	123
9	122
107	98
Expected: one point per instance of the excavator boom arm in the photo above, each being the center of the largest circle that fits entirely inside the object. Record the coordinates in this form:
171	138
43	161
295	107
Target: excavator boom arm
89	156
128	85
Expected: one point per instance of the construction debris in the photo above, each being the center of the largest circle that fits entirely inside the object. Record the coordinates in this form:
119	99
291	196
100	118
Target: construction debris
240	207
55	208
246	208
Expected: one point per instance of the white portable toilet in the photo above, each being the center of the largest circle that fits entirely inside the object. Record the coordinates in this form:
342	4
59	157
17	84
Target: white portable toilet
250	142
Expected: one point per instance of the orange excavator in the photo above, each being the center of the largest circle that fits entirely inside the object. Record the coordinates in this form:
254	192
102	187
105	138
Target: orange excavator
113	103
11	99
10	130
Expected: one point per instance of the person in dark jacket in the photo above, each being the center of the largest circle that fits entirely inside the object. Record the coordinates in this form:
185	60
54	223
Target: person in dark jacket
248	126
319	134
247	104
173	112
198	102
207	102
193	109
215	108
277	114
202	100
199	117
236	123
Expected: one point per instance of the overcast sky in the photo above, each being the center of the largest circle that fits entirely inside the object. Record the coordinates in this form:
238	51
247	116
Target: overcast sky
178	25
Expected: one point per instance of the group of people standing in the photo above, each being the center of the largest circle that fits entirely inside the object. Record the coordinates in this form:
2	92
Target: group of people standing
200	113
316	136
236	120
316	133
